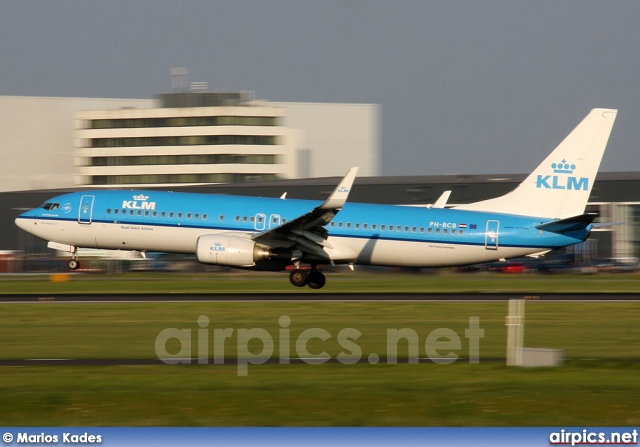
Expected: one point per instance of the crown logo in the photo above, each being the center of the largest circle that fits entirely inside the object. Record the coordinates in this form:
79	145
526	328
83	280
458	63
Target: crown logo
140	197
563	167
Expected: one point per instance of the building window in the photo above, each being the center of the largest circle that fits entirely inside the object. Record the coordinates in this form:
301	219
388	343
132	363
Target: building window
189	140
179	178
189	121
208	159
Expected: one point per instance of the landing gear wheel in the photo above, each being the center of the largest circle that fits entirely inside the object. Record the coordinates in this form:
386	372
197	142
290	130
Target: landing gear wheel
317	279
299	278
74	264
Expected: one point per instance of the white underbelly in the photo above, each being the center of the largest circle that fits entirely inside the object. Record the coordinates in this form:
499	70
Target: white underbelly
426	254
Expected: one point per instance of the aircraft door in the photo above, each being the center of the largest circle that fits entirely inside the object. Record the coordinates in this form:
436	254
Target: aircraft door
85	212
491	235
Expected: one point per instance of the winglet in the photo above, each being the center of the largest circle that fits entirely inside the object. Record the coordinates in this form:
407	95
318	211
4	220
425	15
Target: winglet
442	200
338	197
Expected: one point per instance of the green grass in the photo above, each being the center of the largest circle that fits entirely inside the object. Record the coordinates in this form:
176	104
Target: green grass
441	281
321	395
597	386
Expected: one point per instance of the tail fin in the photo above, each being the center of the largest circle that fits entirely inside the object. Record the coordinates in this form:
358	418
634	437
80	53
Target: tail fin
560	186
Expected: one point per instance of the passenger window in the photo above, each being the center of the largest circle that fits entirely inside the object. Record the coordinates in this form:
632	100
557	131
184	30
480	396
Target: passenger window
461	232
139	212
253	219
332	224
430	230
179	215
131	213
204	217
339	224
364	226
146	213
171	214
163	214
373	226
421	229
406	229
221	217
453	231
437	230
237	218
348	224
445	231
155	214
108	210
399	228
188	215
382	227
244	218
413	230
196	216
116	211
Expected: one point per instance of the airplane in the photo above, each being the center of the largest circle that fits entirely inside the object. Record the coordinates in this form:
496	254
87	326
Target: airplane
545	212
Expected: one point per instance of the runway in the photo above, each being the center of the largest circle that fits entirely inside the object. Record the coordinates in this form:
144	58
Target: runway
312	297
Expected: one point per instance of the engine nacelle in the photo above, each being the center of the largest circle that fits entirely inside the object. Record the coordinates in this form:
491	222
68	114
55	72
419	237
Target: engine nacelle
228	250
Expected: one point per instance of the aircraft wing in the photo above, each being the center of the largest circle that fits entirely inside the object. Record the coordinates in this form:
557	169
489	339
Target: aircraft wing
307	230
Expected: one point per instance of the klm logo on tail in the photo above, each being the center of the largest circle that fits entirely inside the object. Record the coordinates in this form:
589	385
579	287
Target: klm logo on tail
563	181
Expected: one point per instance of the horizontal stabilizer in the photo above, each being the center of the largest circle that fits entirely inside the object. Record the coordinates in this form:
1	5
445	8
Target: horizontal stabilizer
569	224
606	224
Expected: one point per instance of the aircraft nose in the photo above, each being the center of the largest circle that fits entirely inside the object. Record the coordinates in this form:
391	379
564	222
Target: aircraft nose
21	222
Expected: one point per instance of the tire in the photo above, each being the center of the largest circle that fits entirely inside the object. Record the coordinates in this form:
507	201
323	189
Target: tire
299	278
317	279
74	264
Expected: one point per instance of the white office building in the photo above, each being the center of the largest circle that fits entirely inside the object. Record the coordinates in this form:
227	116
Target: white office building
180	138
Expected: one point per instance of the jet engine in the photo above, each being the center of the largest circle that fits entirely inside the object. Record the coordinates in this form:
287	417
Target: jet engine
228	250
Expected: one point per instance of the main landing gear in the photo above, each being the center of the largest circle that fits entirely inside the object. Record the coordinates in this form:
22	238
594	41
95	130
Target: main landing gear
312	278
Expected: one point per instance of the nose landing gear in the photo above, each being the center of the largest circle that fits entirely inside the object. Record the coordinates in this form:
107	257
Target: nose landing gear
74	264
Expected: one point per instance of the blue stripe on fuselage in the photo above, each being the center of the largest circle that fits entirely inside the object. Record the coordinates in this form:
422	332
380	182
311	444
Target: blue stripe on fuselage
355	220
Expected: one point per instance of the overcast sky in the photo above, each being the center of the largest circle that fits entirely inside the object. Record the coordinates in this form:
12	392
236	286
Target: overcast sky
466	86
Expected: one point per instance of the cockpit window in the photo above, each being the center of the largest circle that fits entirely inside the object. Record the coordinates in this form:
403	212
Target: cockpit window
50	206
